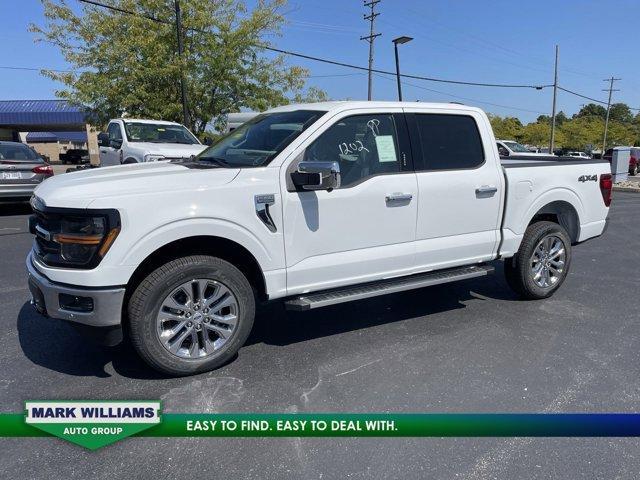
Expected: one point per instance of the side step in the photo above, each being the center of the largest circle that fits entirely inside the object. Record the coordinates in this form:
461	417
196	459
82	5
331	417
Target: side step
384	287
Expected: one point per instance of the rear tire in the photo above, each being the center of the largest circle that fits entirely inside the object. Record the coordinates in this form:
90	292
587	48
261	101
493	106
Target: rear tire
633	171
541	264
174	324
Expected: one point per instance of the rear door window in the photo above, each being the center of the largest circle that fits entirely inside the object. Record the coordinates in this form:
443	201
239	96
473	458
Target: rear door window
448	142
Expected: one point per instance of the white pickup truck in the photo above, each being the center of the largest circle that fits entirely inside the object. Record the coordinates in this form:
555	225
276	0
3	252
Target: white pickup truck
130	140
313	204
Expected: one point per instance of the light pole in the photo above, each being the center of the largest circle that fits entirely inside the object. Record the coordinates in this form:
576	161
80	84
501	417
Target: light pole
396	42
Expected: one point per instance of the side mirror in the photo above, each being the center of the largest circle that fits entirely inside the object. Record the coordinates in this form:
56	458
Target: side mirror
317	176
103	139
208	141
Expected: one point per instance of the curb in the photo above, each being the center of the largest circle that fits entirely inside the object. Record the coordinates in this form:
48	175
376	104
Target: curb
626	189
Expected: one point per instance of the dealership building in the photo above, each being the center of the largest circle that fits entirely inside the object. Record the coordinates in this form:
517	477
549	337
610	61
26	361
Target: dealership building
50	126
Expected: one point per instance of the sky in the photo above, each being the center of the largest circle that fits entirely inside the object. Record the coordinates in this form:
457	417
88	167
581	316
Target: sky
492	41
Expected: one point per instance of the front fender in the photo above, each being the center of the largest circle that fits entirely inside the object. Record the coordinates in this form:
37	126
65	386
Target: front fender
193	227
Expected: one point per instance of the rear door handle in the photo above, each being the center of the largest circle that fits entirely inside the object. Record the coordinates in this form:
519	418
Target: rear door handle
486	190
398	197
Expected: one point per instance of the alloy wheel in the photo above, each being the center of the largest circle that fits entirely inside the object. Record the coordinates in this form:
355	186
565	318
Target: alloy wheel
548	261
197	318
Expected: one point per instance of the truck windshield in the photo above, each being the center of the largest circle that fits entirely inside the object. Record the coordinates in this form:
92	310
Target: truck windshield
516	147
258	141
159	133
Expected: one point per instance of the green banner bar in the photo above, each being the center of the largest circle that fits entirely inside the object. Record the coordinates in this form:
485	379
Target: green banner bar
371	425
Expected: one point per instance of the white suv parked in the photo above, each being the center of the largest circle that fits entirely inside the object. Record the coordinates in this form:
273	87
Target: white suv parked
136	141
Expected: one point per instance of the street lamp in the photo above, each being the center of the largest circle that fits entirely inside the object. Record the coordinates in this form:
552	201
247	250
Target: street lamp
396	42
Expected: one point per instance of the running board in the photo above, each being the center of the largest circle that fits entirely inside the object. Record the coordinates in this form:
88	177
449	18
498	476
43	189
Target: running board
384	287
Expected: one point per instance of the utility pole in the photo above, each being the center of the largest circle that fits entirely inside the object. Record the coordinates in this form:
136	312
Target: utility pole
370	38
606	122
183	89
553	108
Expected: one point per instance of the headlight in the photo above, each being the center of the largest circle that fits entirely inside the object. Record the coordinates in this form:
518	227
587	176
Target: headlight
153	158
70	238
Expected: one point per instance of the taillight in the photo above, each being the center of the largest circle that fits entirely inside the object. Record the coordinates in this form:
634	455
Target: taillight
606	186
43	170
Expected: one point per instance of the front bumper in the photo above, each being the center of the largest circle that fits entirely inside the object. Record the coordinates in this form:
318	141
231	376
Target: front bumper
55	300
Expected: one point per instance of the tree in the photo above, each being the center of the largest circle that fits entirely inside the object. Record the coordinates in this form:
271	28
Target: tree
620	112
561	117
544	119
577	134
592	109
537	134
507	128
127	64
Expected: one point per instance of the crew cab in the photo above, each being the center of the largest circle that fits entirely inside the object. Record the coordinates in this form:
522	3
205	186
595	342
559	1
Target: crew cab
129	140
311	205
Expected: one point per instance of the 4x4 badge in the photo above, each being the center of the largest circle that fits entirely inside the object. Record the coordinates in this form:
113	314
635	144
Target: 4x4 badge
588	178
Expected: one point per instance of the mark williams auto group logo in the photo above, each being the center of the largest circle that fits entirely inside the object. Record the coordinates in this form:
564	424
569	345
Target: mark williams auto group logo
92	424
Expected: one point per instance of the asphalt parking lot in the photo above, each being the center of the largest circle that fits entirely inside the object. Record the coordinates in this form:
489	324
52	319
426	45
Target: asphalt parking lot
465	347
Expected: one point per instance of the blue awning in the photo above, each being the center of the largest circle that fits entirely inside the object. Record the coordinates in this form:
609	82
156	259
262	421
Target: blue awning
43	137
41	112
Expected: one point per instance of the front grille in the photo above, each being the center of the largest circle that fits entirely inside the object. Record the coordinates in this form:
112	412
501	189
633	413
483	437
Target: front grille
44	225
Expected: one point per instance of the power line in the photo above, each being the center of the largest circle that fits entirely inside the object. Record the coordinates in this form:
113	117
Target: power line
128	12
508	107
581	95
333	62
33	69
595	100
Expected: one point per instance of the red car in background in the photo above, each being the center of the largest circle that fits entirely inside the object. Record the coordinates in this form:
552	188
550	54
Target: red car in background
634	159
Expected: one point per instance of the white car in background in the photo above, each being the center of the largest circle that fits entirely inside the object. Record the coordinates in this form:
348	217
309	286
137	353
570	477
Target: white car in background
137	141
578	155
511	148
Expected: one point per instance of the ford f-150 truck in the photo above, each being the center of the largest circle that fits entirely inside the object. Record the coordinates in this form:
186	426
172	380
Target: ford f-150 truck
129	140
313	204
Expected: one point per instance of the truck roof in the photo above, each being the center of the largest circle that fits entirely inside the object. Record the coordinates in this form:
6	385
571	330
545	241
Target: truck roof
352	104
148	120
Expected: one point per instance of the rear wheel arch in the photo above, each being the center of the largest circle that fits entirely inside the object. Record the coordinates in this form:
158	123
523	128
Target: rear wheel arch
561	212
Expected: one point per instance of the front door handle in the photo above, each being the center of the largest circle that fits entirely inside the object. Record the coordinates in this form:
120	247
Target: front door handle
398	197
486	190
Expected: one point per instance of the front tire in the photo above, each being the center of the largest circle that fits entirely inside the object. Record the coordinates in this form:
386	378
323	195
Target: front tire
542	262
191	315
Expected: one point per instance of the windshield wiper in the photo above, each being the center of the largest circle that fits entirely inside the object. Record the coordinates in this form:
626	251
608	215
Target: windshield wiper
216	160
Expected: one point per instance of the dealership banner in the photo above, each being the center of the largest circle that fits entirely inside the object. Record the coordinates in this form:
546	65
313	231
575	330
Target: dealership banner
93	424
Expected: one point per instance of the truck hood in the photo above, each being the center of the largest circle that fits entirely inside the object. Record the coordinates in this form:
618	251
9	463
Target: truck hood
79	189
171	150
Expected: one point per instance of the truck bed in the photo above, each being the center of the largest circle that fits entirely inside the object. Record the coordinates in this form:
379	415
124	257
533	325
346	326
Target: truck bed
537	161
571	187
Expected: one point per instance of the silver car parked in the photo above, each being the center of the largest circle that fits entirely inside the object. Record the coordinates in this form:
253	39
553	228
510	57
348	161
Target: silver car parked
22	169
